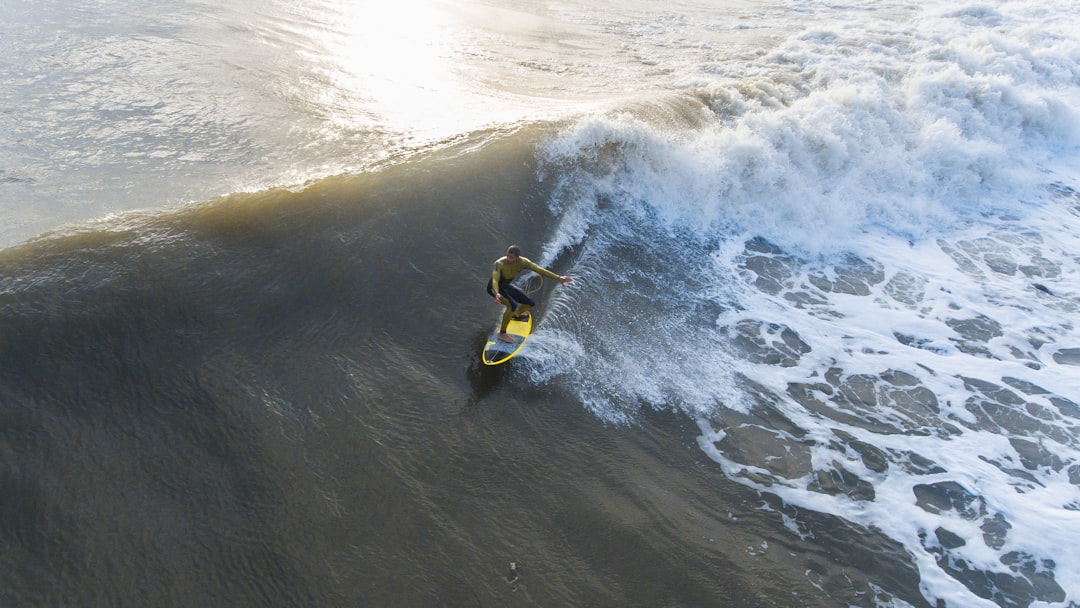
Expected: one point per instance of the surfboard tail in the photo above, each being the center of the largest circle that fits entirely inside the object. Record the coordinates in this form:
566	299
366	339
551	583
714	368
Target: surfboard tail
497	352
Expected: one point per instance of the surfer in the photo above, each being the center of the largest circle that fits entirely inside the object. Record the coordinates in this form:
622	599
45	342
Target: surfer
517	303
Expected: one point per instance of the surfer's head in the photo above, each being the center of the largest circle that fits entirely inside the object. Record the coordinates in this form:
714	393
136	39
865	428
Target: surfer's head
513	252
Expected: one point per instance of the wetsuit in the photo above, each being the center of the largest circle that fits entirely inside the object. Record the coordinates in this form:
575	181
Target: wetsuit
515	300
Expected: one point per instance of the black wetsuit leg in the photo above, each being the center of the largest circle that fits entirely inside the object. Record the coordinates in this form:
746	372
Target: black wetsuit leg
515	295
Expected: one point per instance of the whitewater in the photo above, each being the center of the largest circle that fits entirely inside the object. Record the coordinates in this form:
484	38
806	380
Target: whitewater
872	233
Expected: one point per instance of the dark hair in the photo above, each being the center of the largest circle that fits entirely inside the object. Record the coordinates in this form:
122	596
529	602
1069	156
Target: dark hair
513	250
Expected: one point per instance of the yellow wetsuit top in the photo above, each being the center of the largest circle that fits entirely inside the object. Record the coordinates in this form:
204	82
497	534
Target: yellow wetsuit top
507	271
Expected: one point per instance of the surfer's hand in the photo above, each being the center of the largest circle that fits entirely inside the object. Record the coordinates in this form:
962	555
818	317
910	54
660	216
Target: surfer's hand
498	299
564	279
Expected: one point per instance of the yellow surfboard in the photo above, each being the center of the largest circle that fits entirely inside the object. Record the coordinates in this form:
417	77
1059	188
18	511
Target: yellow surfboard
496	351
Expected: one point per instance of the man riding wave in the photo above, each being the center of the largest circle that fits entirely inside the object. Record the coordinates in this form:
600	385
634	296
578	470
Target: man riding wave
517	303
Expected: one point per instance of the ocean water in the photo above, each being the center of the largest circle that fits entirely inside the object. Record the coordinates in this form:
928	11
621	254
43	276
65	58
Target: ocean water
820	349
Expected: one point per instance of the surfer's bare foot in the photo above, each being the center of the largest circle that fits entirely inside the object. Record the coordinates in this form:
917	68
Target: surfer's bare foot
505	337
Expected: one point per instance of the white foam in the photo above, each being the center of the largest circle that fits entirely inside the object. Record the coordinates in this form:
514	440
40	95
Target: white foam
925	149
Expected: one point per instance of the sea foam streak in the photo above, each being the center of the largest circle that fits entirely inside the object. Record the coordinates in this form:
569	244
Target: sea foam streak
876	247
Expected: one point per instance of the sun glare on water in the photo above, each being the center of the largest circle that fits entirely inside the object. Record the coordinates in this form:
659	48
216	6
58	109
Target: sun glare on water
392	64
